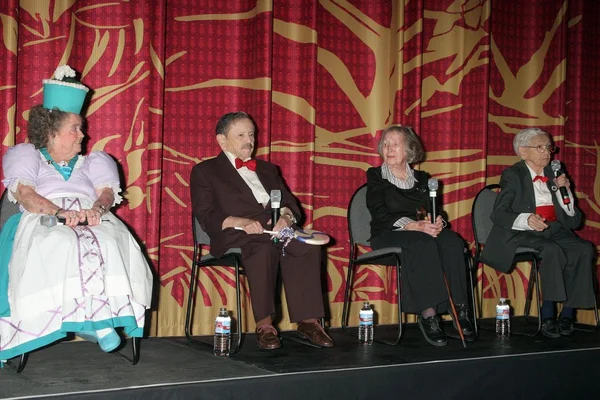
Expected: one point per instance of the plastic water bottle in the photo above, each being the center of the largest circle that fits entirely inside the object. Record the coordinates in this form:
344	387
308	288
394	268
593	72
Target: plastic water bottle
503	319
223	334
365	329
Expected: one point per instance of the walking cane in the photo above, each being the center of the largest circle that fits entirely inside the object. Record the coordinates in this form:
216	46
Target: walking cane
460	332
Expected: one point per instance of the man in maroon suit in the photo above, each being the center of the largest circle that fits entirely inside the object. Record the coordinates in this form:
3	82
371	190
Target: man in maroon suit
233	190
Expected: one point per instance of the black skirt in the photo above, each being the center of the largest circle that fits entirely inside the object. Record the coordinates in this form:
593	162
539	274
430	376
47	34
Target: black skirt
425	260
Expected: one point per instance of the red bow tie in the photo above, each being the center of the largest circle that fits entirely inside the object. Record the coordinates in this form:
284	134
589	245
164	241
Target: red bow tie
540	178
250	164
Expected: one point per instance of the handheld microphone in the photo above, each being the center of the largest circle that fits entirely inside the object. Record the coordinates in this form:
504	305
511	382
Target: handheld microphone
275	208
432	183
50	220
564	194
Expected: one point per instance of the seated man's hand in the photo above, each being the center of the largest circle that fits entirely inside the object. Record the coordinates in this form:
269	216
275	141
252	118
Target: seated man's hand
282	222
251	226
562	181
537	222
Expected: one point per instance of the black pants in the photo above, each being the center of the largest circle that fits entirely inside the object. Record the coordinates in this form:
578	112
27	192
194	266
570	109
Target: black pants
425	260
566	270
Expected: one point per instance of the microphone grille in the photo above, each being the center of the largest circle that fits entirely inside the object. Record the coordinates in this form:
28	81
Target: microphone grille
432	183
555	165
275	196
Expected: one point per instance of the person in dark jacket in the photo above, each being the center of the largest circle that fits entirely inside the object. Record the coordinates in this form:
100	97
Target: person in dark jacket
529	212
398	200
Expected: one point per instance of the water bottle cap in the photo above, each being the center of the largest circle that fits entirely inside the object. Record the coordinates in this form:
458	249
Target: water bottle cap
502	299
366	304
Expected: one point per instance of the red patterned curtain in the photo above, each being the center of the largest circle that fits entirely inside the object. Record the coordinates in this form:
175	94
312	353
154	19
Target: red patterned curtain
322	79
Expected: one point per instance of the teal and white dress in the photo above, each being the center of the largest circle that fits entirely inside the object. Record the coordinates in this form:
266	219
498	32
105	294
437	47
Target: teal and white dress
61	279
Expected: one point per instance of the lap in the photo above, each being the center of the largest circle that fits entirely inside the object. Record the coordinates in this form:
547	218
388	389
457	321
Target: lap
552	238
403	239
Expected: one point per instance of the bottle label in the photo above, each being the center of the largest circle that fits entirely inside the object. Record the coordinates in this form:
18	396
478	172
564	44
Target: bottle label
502	312
223	325
366	317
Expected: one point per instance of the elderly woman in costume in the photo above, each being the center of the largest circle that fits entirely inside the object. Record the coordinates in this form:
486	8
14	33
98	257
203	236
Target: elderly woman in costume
397	197
86	275
531	212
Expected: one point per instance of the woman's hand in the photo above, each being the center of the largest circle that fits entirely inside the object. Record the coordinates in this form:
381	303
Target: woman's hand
72	217
93	216
439	222
425	227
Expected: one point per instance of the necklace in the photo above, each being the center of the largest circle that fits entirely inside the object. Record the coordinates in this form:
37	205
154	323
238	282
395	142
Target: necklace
64	168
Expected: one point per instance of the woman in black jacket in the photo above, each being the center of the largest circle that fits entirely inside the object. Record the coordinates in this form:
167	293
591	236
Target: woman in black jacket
398	199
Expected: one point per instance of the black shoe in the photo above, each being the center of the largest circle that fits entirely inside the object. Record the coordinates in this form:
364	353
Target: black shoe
432	331
549	328
565	326
465	322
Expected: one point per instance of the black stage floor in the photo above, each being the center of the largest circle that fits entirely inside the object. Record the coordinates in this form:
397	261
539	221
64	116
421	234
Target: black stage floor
170	368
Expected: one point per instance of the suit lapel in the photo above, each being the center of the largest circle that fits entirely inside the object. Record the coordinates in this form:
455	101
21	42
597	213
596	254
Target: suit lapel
552	186
265	176
527	186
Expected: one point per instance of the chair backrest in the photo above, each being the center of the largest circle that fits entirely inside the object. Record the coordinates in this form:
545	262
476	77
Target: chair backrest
483	205
200	237
359	217
7	209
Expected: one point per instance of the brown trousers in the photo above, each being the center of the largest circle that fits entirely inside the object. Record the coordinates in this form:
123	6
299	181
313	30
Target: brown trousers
300	272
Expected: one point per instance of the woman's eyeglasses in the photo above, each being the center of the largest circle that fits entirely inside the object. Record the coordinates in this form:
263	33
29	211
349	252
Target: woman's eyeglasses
550	148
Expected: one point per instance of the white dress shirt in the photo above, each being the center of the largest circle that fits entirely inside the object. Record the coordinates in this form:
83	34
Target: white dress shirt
251	179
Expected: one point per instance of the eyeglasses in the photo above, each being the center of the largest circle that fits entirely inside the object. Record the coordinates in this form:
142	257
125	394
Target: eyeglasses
550	148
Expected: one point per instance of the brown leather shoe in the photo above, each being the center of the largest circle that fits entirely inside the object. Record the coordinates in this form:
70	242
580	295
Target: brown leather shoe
315	333
266	337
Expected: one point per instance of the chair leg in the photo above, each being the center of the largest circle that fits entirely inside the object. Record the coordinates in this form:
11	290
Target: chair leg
476	264
21	366
135	352
347	292
473	294
533	279
534	275
537	288
135	344
239	308
399	290
190	304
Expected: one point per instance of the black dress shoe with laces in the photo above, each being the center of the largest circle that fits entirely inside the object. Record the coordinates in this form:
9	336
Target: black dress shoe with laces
465	322
565	326
432	331
549	328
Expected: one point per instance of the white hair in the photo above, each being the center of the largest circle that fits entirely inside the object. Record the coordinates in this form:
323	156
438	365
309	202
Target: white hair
524	137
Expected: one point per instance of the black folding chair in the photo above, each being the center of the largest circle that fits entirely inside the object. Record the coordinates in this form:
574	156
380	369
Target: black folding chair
359	219
483	205
232	258
7	210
